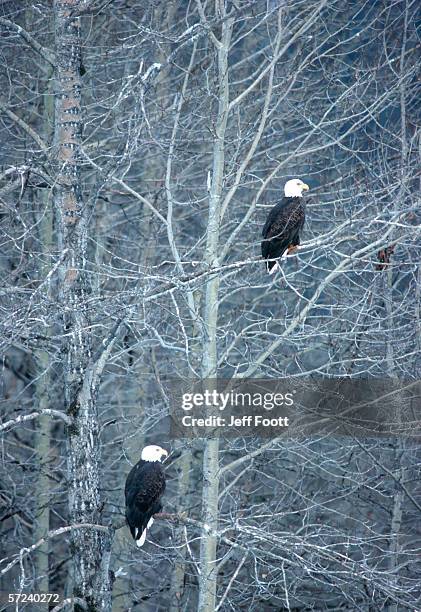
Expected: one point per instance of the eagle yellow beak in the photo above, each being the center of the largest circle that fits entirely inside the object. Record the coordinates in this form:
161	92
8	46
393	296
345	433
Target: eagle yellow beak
305	187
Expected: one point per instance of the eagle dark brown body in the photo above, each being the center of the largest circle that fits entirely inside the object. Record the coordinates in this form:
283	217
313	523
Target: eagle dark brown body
282	229
145	485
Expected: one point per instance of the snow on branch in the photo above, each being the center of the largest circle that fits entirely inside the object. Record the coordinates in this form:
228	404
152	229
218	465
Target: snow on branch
33	415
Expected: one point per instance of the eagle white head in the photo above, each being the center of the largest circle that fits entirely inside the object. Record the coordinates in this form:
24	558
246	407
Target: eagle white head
153	453
294	188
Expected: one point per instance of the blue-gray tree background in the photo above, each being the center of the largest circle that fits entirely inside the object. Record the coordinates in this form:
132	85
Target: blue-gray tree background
142	146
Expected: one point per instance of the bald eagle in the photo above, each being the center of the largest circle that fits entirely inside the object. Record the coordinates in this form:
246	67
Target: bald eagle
285	221
144	486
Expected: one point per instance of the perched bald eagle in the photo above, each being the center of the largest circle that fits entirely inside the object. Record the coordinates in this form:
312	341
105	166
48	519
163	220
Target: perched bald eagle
282	229
144	486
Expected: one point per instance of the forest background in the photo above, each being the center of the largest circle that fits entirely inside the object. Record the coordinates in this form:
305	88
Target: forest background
142	146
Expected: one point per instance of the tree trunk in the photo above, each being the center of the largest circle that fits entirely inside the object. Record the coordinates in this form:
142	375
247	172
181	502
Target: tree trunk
178	574
42	448
208	574
90	549
42	364
399	450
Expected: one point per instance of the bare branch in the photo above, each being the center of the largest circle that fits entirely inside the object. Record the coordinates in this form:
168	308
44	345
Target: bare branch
42	51
29	417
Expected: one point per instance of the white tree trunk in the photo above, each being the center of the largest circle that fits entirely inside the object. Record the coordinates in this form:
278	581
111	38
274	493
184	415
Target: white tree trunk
208	574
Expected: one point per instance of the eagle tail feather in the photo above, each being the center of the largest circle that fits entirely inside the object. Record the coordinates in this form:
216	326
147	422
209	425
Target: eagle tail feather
140	542
274	268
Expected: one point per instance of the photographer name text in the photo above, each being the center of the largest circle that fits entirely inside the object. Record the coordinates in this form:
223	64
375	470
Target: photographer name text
244	421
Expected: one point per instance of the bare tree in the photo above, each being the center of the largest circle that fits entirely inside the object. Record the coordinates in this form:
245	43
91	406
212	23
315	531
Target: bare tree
143	147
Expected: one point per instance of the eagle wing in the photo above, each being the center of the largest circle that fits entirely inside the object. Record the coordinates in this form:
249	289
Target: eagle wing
282	227
144	485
